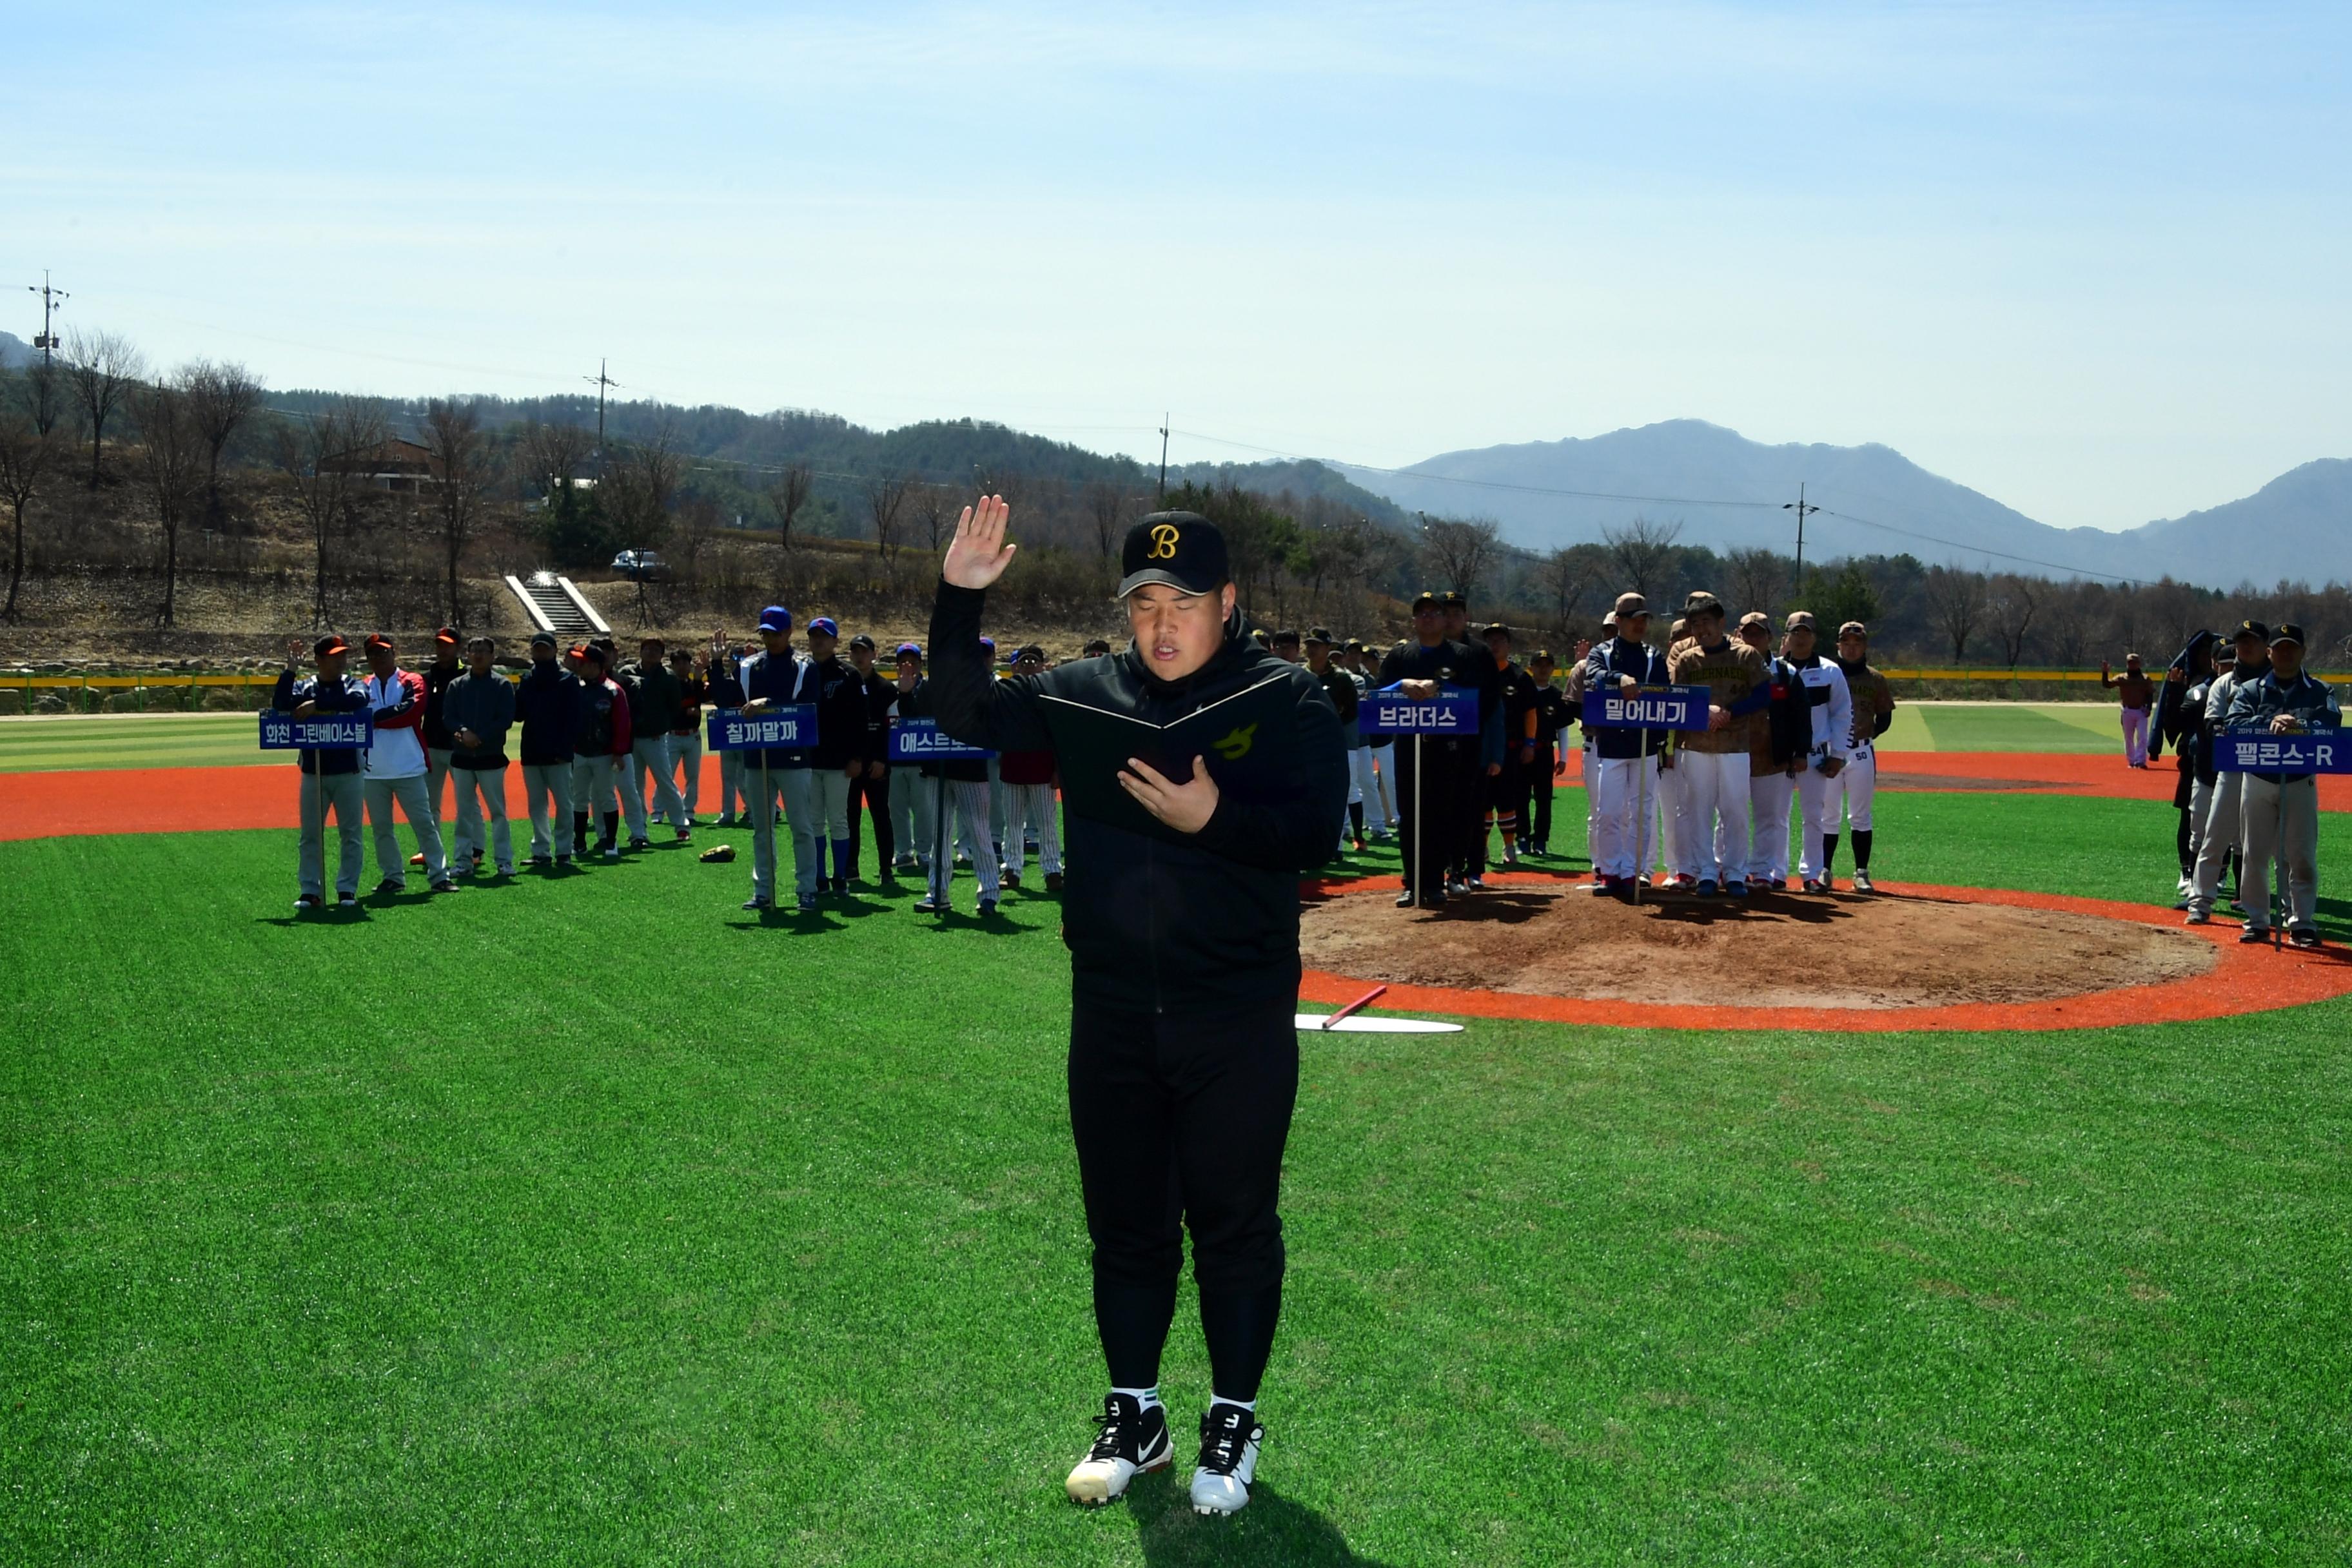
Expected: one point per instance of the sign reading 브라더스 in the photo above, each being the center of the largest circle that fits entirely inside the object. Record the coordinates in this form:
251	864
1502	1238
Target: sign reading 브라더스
2259	751
789	727
1388	712
923	741
321	733
1649	707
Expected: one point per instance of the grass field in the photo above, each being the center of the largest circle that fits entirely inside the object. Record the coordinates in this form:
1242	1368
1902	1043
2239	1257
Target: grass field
218	740
588	1220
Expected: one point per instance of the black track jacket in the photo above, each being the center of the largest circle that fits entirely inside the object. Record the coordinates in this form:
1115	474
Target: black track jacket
1204	925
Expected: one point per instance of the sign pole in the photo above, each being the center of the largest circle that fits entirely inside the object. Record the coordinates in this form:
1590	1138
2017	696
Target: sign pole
942	869
1420	784
1641	819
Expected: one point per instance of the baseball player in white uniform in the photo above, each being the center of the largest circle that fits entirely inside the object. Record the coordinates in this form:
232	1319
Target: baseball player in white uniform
1833	712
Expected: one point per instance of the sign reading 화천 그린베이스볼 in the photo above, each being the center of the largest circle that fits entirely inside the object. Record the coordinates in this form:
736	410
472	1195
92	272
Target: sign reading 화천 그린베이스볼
789	727
2259	751
321	732
1388	712
1649	707
923	741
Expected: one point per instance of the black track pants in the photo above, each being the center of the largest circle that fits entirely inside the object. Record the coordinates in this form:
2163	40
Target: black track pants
874	795
1443	808
1179	1125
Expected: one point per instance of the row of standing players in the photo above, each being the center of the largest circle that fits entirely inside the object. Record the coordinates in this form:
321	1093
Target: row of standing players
605	744
1789	729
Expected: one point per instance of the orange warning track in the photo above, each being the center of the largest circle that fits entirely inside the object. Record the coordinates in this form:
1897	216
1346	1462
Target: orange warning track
2057	773
2244	979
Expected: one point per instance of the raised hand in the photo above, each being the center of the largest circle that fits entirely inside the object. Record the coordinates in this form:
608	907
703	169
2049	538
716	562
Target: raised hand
978	554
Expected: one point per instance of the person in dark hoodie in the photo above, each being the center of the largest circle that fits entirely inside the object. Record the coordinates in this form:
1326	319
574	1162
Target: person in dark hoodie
446	667
654	698
1184	1062
330	779
600	747
547	701
479	709
723	690
838	758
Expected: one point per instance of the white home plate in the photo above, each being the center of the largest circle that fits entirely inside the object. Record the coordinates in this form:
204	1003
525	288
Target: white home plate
1360	1024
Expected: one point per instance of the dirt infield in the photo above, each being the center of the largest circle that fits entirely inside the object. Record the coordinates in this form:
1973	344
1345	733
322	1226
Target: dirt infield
1780	950
2057	773
1733	990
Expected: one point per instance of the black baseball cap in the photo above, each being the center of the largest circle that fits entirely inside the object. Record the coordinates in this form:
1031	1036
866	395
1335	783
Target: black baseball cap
1428	596
1032	652
329	644
1497	629
861	640
1320	635
1452	599
1287	635
1181	548
2287	632
1096	647
542	639
2255	629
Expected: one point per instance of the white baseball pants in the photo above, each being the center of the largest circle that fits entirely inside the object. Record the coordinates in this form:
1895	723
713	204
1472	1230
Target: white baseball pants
1621	835
1768	795
1032	806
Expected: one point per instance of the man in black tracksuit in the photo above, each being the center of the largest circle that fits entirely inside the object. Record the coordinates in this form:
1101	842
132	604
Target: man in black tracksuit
1184	967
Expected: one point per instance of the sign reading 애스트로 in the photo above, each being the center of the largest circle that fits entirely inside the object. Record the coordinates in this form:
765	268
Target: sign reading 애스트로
2259	751
324	733
1388	712
789	727
920	740
1651	708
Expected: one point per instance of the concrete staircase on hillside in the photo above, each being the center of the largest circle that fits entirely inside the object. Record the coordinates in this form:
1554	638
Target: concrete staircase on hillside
553	605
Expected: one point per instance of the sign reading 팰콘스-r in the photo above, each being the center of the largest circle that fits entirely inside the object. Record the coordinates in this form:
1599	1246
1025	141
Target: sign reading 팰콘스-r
920	740
1389	712
789	727
2259	751
321	732
1651	708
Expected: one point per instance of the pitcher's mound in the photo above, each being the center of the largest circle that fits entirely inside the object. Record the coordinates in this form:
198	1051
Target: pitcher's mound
1773	950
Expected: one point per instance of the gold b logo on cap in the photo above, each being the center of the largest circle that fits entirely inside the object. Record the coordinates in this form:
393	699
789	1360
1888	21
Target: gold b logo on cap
1163	543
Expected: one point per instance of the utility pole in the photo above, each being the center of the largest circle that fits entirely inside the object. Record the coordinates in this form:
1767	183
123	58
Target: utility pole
1163	460
50	299
601	381
1801	508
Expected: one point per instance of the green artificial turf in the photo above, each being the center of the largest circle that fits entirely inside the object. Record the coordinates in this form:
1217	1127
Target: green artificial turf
2016	727
591	1220
131	741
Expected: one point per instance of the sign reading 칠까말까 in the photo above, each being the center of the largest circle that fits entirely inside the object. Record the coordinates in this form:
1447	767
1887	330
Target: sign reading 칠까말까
789	727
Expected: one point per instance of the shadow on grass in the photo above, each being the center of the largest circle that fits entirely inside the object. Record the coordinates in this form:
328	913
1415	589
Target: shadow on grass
1271	1531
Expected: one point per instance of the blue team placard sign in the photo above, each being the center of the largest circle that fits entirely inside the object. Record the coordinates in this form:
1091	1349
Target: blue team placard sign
1649	707
791	727
323	732
1388	712
2259	751
921	740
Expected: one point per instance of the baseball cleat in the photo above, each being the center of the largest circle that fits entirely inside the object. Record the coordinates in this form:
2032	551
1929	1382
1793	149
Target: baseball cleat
418	859
310	902
1734	888
2254	933
1230	1439
389	888
2303	936
929	905
2197	918
1009	878
444	886
1053	881
1706	888
1475	884
1404	899
757	903
1130	1441
1862	883
1601	887
347	900
1812	884
808	903
987	907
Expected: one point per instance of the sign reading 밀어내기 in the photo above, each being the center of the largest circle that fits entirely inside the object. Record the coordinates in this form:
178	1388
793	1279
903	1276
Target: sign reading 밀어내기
2259	751
1649	707
323	732
1388	712
789	727
921	740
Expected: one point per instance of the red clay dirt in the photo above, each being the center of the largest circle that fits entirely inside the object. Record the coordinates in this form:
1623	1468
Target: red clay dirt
1838	950
2057	773
2239	979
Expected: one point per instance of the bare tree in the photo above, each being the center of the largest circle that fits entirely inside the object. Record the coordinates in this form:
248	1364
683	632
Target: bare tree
552	456
1955	599
220	398
1759	578
170	452
934	504
1108	505
786	496
102	368
886	498
319	462
1460	551
1567	574
1641	550
461	469
2013	603
31	447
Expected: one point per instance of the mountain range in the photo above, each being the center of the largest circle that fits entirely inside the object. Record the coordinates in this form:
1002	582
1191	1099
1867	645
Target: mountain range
1727	492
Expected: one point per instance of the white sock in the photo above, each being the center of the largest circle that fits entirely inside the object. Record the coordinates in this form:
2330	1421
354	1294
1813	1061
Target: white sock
1248	1405
1146	1398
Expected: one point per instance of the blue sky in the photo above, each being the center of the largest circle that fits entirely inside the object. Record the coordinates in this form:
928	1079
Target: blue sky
2088	258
